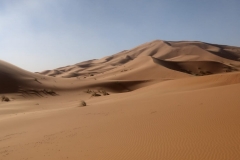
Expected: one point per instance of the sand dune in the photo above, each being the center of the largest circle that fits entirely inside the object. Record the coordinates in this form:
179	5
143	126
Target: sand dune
162	50
160	100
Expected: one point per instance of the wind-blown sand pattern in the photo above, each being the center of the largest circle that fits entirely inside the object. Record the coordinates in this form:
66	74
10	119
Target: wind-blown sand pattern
167	100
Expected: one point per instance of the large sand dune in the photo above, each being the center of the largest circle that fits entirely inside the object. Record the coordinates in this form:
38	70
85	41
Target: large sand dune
167	100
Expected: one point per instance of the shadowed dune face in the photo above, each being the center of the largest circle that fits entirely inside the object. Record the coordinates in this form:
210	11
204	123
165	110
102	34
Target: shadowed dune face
161	100
24	83
8	83
197	68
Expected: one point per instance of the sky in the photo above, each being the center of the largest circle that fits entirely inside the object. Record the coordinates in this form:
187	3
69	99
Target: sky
37	35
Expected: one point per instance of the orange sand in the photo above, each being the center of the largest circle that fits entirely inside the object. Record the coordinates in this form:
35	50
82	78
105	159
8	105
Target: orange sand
168	100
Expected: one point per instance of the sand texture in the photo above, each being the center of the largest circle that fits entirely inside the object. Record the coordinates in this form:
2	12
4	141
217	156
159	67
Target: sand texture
162	100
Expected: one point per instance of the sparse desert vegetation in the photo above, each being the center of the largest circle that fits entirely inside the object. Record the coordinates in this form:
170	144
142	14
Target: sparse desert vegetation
35	79
124	70
105	93
83	103
36	92
5	99
97	93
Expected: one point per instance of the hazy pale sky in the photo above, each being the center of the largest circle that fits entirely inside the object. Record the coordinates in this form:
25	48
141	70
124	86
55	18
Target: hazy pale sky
45	34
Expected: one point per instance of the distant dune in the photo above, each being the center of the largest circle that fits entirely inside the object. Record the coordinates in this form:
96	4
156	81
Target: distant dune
160	100
211	58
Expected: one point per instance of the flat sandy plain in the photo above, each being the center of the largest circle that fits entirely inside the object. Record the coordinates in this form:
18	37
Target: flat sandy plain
167	101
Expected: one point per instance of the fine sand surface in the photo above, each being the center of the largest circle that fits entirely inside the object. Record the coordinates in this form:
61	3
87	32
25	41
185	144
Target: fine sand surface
167	101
